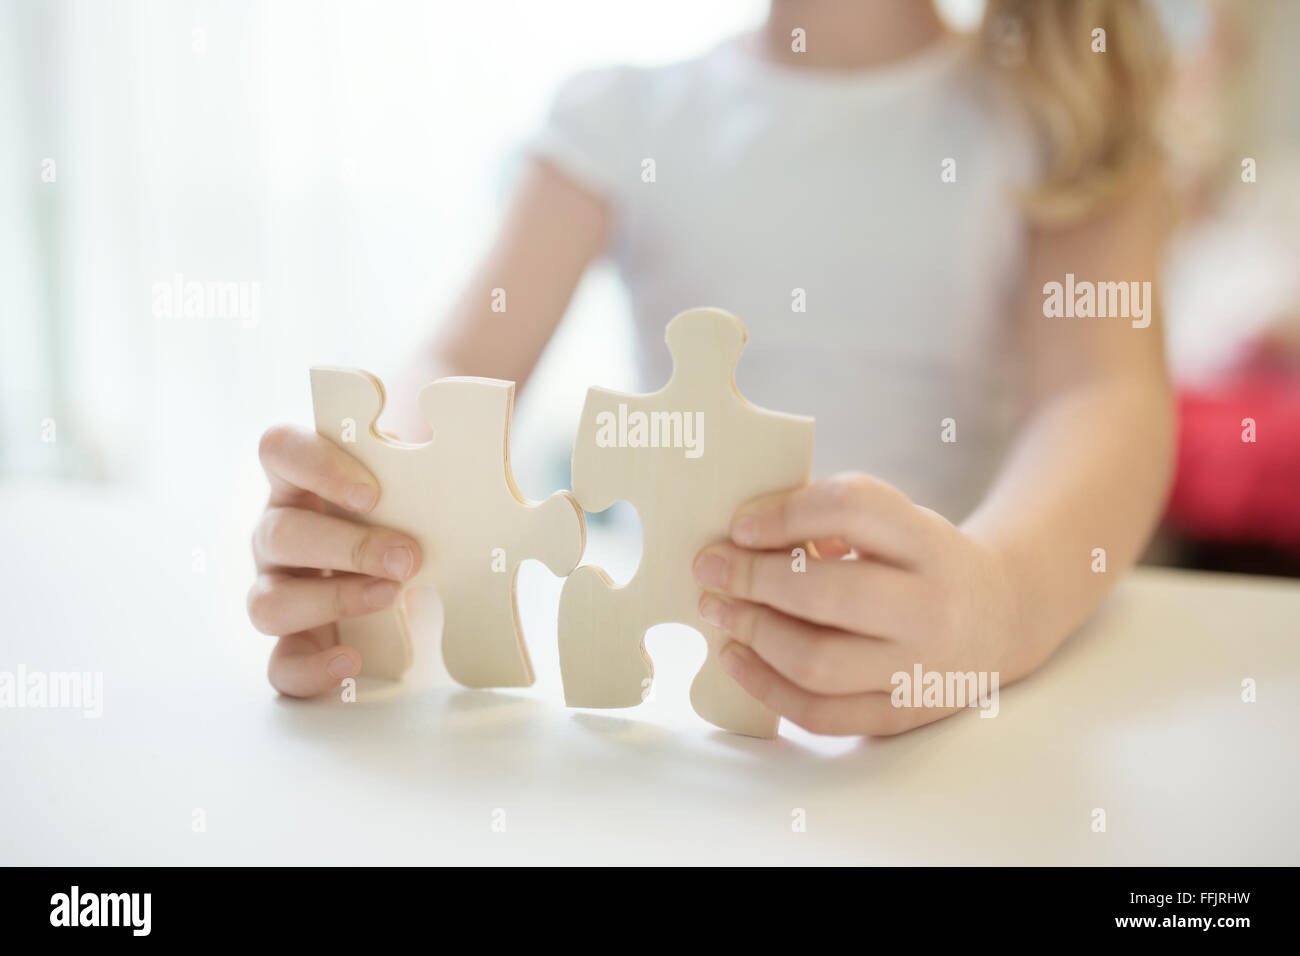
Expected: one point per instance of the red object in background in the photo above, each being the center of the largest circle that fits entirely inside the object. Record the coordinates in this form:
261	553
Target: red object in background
1229	490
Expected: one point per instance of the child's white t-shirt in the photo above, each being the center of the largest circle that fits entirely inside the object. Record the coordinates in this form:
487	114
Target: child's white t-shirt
860	224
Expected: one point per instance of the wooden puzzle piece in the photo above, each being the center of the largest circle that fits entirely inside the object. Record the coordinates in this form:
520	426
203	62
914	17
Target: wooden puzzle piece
456	496
686	457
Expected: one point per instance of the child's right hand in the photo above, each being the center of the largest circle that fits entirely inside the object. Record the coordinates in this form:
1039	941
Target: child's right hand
296	541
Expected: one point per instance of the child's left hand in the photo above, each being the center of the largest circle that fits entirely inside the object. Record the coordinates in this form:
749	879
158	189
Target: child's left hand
820	646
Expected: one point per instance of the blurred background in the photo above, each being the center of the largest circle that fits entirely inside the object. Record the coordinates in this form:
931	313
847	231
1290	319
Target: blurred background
337	166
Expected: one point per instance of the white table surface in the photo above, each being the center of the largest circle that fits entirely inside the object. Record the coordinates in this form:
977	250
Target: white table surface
1140	714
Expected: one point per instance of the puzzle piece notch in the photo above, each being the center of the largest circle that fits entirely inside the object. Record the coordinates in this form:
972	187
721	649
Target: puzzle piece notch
684	504
456	496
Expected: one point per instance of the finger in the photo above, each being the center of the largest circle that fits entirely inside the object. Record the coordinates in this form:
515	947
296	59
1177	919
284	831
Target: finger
284	604
864	597
871	516
819	659
295	538
830	549
300	667
870	713
298	460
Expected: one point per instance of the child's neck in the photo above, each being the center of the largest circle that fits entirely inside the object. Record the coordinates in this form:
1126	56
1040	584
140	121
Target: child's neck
848	34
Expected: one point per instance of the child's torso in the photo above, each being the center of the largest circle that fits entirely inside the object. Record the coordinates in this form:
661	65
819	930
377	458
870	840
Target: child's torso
865	232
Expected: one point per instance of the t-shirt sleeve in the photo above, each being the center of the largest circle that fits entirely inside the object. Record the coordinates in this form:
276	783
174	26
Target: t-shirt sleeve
585	134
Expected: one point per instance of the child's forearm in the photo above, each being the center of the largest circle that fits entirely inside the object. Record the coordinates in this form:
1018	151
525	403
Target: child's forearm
515	299
1076	502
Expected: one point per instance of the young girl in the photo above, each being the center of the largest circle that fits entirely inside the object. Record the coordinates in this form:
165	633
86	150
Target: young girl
883	205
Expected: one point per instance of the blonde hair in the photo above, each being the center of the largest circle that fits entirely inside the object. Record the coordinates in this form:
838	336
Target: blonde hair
1097	112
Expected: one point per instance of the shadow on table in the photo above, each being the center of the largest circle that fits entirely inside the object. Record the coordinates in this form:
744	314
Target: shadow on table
500	738
1107	678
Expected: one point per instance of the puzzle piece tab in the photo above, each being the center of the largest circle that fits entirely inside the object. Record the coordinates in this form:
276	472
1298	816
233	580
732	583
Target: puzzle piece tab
686	457
456	496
